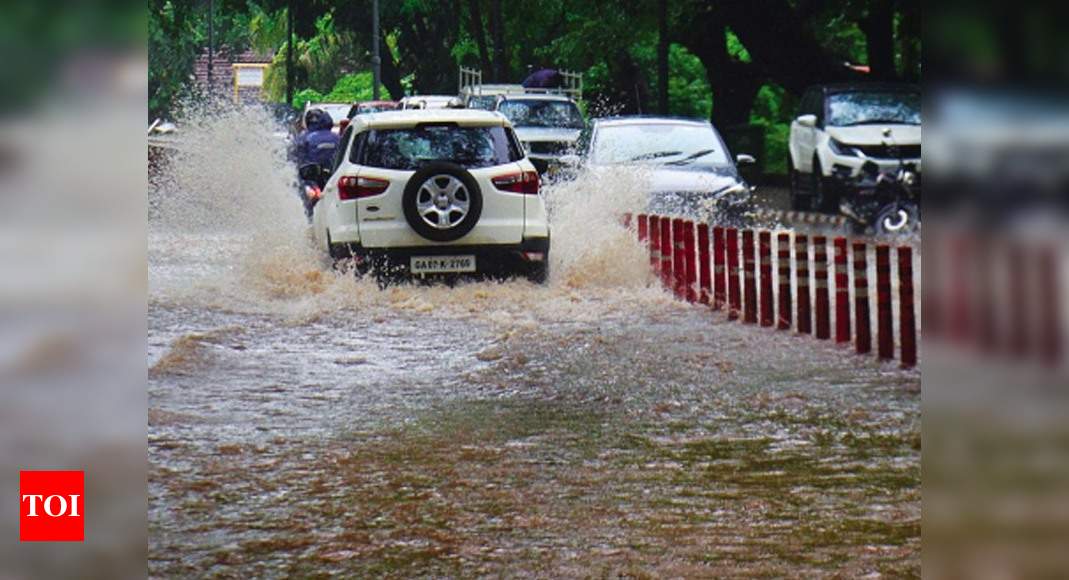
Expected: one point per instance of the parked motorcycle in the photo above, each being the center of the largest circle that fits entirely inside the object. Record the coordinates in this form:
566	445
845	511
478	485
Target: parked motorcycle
884	202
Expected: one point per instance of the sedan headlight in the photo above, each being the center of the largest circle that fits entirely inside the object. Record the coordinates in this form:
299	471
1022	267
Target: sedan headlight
734	194
840	148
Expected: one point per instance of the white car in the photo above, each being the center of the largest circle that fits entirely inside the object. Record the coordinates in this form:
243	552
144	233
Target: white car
840	127
424	193
548	125
485	96
430	102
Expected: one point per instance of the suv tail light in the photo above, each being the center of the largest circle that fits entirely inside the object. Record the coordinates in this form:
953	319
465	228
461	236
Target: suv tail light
352	187
525	182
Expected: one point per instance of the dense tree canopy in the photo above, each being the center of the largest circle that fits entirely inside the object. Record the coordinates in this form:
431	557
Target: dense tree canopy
737	62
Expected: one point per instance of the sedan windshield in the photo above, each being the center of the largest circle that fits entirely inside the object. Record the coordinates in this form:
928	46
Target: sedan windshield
411	148
870	107
541	113
658	143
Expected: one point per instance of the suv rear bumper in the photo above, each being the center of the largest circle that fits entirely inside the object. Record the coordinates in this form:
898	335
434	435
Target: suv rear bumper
526	257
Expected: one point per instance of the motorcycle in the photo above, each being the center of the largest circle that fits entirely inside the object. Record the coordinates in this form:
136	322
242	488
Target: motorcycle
884	202
312	178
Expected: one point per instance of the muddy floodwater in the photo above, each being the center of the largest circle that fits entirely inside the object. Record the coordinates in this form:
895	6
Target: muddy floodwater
306	423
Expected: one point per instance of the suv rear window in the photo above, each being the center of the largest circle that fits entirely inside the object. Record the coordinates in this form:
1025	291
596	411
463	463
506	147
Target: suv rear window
469	147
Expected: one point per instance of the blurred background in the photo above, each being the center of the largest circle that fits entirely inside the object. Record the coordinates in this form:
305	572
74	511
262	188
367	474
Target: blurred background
995	469
72	288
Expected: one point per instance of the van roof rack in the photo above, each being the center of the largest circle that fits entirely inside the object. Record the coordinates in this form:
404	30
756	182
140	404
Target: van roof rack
470	81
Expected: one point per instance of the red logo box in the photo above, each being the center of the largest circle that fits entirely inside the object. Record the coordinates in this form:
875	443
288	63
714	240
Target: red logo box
51	506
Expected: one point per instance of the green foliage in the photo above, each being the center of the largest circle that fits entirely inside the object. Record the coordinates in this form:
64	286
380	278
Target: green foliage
354	88
773	110
689	94
613	42
304	96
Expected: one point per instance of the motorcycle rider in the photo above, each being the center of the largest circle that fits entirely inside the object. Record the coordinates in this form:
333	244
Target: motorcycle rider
315	145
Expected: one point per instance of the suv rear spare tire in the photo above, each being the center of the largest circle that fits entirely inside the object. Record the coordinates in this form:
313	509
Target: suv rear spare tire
442	202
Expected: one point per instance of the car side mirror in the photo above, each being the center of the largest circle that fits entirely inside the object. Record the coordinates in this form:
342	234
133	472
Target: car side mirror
807	120
570	160
744	159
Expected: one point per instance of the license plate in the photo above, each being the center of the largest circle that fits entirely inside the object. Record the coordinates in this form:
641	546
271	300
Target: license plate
442	264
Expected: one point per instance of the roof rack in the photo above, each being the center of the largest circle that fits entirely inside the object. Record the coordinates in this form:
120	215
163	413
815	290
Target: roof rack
470	81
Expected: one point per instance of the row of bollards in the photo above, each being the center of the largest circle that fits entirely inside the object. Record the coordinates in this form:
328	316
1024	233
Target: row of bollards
702	265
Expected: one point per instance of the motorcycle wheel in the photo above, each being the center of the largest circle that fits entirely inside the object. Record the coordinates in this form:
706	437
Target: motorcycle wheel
897	219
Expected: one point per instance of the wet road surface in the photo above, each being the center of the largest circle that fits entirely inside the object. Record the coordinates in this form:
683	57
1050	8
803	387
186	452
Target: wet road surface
305	423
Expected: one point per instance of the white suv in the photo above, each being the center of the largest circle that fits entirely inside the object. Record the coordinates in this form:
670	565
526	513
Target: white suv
434	192
548	125
840	127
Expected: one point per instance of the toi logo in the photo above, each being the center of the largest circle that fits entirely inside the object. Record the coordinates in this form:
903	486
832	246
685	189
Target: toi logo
51	506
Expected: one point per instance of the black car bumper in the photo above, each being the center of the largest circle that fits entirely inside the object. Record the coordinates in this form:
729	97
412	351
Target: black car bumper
498	260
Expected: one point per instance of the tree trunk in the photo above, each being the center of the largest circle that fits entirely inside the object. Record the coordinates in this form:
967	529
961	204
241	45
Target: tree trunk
391	77
879	31
497	29
479	32
782	49
734	84
909	31
662	55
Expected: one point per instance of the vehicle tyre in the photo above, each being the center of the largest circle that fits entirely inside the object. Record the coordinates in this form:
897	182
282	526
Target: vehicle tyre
895	219
539	273
799	198
823	199
338	251
442	202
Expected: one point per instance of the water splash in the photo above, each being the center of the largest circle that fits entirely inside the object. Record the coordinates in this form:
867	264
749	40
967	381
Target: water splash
227	231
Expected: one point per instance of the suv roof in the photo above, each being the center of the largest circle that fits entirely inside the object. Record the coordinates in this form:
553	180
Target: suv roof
410	118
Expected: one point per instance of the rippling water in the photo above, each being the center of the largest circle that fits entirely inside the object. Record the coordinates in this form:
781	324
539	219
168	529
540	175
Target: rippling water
303	421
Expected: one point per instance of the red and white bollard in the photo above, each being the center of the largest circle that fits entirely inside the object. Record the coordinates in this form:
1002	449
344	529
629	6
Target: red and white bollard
666	252
842	292
643	227
885	346
1050	325
690	252
820	281
783	264
801	277
719	258
907	320
861	298
705	278
749	284
734	293
764	253
655	244
679	260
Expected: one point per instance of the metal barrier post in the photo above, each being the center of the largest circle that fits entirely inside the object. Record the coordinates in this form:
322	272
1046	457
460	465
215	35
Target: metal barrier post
783	263
705	278
885	346
820	274
749	284
861	298
801	278
842	292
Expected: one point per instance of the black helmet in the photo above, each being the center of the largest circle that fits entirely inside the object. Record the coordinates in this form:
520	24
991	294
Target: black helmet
317	119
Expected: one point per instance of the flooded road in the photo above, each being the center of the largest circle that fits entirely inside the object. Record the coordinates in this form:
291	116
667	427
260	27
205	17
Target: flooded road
303	422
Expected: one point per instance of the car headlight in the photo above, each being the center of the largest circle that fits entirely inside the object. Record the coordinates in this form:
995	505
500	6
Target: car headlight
840	148
737	193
